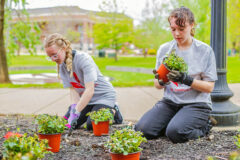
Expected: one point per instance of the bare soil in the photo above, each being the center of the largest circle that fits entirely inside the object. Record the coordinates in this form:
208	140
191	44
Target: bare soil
82	144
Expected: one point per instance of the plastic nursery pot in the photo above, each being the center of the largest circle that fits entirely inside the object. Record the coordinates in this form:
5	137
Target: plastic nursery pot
54	141
130	156
162	72
101	128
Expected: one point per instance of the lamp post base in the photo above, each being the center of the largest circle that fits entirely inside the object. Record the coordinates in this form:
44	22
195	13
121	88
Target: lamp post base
226	113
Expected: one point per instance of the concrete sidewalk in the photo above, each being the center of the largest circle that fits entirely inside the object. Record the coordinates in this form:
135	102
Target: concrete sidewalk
133	101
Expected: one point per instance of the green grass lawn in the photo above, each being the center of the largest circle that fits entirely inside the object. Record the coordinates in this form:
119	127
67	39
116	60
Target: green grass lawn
233	71
120	79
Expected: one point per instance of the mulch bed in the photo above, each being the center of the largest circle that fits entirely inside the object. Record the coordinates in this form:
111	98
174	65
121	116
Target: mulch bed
82	144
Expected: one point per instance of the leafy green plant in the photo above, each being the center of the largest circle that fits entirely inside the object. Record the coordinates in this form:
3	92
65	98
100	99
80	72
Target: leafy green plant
174	62
125	141
237	142
24	148
48	124
103	114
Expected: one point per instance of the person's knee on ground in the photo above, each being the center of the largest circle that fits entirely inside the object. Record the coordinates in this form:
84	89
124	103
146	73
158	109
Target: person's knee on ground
89	124
176	134
149	133
118	119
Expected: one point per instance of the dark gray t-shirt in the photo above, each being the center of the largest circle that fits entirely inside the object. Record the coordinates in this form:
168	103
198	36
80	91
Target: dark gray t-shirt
85	70
201	63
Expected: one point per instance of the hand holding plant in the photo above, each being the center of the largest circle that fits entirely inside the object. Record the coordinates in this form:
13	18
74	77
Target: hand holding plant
174	62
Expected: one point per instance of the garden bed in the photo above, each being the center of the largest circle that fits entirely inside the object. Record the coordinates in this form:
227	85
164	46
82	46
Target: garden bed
83	144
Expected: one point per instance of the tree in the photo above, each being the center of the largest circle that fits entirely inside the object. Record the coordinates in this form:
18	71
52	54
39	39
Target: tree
72	35
14	34
233	25
152	30
3	59
113	29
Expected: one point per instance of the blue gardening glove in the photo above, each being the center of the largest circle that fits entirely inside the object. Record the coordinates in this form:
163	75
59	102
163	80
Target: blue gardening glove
177	76
160	81
72	120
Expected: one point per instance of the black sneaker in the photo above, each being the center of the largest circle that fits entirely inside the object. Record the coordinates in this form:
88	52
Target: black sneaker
118	119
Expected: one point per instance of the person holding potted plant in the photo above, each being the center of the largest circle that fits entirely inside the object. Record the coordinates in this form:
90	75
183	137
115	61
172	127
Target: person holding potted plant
89	91
184	111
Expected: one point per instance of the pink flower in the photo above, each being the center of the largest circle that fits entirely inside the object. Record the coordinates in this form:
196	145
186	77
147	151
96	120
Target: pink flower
9	134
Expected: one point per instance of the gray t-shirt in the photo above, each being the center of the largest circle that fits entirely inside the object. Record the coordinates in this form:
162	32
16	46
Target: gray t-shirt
201	63
85	70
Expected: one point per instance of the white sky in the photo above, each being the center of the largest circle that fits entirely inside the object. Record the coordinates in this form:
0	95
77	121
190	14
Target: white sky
133	8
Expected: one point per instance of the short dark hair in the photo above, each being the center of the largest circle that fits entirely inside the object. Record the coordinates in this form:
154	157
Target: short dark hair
182	15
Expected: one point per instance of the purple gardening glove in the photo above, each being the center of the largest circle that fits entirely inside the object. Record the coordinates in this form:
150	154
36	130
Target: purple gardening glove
72	106
72	120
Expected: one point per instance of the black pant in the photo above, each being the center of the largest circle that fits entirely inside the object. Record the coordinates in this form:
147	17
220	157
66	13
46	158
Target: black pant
83	117
179	122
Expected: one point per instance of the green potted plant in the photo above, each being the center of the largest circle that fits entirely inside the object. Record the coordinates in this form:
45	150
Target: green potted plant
24	147
50	128
171	62
124	144
100	121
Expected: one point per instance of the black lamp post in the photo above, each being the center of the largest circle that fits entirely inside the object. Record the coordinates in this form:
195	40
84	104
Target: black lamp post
224	111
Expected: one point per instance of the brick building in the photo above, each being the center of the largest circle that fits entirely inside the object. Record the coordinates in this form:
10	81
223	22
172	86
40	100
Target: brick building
63	19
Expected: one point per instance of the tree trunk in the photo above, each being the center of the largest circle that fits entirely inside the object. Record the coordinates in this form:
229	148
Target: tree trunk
19	48
4	78
116	55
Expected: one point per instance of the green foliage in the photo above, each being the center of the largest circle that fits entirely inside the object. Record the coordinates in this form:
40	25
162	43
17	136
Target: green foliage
152	52
237	142
23	32
153	28
29	37
72	35
125	141
233	25
48	124
113	29
174	62
24	148
234	155
103	114
112	33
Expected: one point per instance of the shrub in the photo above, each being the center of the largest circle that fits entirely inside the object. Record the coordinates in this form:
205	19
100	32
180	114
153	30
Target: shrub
125	141
174	62
24	147
151	52
48	124
103	114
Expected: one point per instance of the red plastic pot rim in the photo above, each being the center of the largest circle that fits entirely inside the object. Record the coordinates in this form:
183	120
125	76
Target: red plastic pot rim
99	121
122	153
49	134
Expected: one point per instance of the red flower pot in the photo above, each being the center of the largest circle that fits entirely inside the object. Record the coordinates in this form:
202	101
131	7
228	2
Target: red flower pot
130	156
101	128
54	141
162	72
